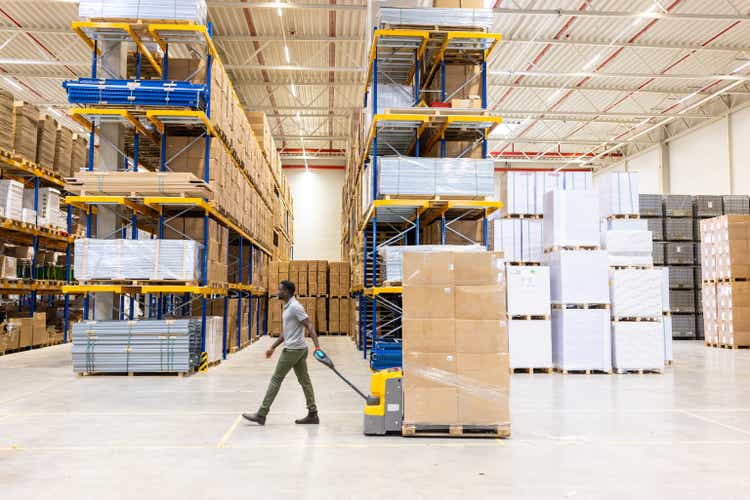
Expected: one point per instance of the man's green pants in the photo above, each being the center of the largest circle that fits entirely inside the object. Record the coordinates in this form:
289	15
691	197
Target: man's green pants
290	358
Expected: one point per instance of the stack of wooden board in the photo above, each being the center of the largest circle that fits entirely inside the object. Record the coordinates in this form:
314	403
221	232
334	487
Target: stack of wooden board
138	183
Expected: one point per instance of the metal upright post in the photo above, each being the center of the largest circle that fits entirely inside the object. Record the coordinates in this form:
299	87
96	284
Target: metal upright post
206	177
257	315
416	229
485	232
66	309
373	278
443	144
35	243
443	227
239	296
484	82
363	310
224	328
417	90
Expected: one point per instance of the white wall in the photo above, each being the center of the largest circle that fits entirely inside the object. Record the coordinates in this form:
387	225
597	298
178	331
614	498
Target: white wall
317	213
700	161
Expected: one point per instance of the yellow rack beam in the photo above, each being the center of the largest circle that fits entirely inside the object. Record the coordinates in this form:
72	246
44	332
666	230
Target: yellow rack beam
200	29
155	117
453	35
83	117
192	289
424	119
84	201
8	162
42	232
97	288
80	28
386	33
381	290
10	286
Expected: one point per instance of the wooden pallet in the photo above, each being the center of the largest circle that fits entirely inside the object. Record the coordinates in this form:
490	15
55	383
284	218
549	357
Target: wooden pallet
580	306
135	374
522	263
734	346
639	371
390	283
730	280
618	268
437	112
635	319
138	184
462	431
668	362
571	247
531	371
523	216
452	197
624	216
583	372
529	317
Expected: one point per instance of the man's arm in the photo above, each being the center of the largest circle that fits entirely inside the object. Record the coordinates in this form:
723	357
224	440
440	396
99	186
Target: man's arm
311	330
275	344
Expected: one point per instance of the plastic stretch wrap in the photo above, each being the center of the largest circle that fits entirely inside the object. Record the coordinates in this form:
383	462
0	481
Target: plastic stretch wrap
97	259
581	339
214	338
571	218
665	289
183	10
455	343
390	95
628	248
636	293
523	192
666	326
618	193
637	345
171	345
530	343
518	239
473	18
435	176
578	276
11	199
528	290
391	256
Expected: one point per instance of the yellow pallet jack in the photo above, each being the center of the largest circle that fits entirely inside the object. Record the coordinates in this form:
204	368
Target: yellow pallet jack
384	407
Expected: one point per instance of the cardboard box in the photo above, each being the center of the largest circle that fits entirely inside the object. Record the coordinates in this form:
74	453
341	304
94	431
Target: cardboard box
429	301
480	302
427	268
434	370
429	335
344	315
333	315
39	329
478	268
430	405
480	336
25	328
321	315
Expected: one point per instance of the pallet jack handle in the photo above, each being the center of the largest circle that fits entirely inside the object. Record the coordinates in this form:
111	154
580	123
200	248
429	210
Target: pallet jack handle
323	358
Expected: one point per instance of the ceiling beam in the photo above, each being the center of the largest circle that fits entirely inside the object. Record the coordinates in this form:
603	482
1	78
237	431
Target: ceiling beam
603	14
282	5
294	67
529	140
588	74
318	137
593	114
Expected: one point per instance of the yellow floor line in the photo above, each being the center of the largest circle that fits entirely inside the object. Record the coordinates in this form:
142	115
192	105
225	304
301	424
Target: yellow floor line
229	432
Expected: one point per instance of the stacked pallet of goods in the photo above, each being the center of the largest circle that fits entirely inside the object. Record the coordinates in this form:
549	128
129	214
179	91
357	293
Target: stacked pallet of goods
322	288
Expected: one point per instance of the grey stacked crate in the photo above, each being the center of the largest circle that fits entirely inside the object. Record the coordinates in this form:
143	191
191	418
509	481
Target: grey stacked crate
651	205
678	205
707	206
678	229
684	326
656	226
736	204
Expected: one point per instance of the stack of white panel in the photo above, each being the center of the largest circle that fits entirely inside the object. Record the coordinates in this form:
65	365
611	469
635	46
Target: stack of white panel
628	242
528	294
97	259
183	10
473	18
48	203
570	219
637	345
28	215
214	338
666	315
522	192
618	193
519	239
636	293
11	199
581	339
390	95
435	176
578	276
568	181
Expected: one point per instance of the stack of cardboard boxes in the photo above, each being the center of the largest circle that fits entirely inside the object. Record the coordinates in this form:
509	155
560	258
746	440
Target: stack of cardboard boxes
455	340
20	332
324	296
725	257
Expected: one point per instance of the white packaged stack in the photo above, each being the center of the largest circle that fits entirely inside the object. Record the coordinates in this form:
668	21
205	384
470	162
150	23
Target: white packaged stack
571	218
530	343
11	199
28	215
569	181
98	259
183	10
618	193
520	240
522	192
667	318
628	248
637	345
390	95
214	338
636	293
528	290
472	18
578	276
48	201
435	176
581	339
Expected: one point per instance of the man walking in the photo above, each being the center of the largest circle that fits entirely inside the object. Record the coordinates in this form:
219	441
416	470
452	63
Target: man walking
294	356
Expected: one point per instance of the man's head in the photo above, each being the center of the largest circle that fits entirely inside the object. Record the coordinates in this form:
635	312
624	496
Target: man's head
286	290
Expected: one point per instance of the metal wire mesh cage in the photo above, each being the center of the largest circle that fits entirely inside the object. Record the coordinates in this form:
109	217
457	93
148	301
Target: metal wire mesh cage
698	277
682	301
699	328
707	205
678	205
678	229
656	226
678	253
736	204
697	229
683	326
698	254
698	300
651	205
681	277
658	253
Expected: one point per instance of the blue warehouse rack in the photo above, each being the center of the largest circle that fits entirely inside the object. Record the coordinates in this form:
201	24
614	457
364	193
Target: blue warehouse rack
148	108
417	58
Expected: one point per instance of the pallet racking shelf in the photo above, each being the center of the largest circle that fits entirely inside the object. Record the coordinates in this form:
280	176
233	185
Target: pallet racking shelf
149	117
414	57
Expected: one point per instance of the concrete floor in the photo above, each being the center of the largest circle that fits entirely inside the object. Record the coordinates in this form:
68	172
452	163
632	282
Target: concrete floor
685	434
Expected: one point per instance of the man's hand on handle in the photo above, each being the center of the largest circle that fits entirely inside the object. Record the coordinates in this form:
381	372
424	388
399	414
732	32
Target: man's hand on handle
269	353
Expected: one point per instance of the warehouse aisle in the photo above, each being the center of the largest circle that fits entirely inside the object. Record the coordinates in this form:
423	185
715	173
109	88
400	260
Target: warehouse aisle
574	436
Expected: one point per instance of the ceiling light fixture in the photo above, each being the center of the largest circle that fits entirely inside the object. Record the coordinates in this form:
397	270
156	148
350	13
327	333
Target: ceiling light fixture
12	83
286	54
294	89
